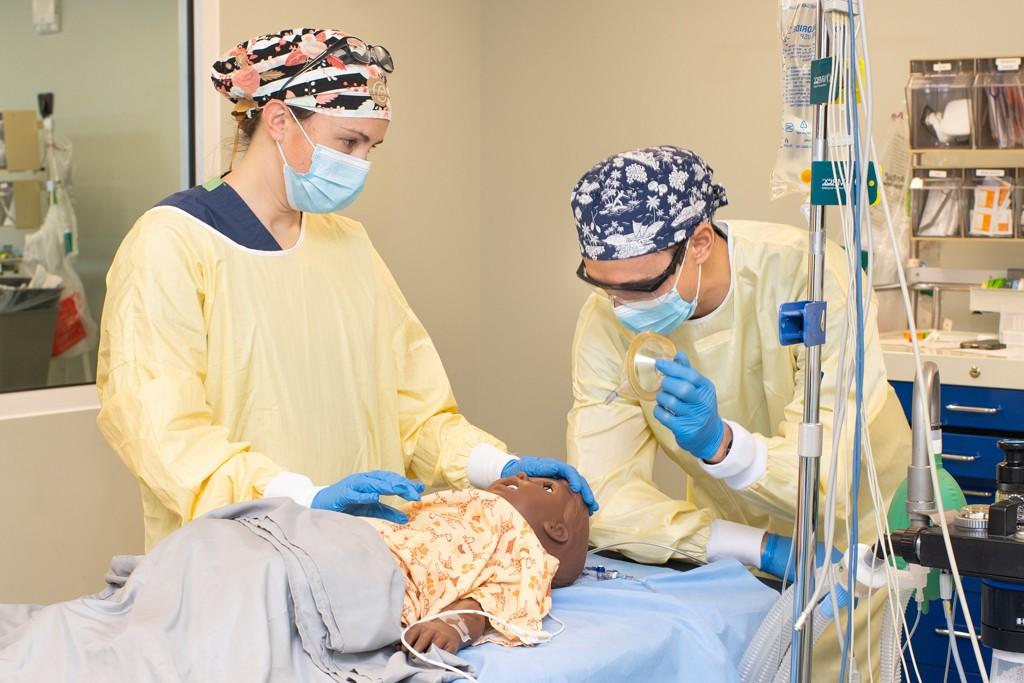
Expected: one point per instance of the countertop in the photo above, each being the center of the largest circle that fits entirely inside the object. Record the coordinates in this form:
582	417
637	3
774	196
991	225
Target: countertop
965	367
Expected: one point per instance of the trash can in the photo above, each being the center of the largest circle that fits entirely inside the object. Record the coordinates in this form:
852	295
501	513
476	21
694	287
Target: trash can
28	320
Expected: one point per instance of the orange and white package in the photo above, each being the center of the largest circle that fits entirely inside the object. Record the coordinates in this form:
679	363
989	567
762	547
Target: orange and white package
991	215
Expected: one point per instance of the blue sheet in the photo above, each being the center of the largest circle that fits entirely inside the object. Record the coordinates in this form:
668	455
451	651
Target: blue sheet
680	626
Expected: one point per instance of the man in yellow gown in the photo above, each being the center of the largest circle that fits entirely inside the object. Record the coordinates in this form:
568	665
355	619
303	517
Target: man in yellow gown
731	402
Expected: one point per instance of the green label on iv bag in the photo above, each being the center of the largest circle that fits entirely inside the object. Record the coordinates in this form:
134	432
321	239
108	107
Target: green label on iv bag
827	190
821	79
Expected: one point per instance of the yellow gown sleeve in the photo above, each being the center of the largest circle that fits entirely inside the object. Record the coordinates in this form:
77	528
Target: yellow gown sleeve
776	491
436	438
152	365
613	447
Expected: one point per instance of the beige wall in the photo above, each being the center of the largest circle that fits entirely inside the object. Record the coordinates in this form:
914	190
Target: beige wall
114	72
68	506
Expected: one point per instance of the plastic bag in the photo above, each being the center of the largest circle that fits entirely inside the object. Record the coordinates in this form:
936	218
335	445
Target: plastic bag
797	32
894	169
76	330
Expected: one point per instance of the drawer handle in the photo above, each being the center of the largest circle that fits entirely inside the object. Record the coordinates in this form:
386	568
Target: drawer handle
944	632
977	410
978	494
959	458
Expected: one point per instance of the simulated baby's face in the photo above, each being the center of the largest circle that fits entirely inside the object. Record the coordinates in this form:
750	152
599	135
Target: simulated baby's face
556	514
546	496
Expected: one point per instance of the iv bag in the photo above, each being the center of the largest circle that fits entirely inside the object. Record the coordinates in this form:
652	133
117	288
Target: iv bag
797	30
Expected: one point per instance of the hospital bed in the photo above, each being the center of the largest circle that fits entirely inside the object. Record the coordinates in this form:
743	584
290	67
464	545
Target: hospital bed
660	625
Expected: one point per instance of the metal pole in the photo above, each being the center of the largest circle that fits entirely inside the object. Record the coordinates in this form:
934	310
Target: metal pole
810	434
927	416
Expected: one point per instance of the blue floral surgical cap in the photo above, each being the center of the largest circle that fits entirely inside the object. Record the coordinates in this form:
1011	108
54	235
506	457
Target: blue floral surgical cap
643	201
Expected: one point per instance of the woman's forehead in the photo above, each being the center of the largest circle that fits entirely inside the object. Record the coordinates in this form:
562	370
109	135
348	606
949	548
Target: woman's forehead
367	130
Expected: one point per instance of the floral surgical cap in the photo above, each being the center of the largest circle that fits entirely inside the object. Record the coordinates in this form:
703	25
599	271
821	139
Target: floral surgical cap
643	201
252	73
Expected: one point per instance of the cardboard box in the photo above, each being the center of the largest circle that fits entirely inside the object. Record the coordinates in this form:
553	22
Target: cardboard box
28	204
21	139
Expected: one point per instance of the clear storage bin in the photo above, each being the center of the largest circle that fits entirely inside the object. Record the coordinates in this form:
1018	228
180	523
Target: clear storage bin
990	196
999	103
937	202
1018	205
940	103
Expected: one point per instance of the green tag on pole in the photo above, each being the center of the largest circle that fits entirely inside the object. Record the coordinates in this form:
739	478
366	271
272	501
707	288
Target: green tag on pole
824	190
821	79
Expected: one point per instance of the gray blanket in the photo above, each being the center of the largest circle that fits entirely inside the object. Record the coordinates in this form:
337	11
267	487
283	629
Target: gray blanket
260	591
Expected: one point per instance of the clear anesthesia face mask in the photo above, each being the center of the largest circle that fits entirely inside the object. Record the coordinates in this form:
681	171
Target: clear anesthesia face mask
642	377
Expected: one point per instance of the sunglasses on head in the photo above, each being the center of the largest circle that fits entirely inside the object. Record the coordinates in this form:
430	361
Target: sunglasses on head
357	49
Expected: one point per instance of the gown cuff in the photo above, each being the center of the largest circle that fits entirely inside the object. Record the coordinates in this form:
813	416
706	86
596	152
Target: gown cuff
485	464
738	541
746	462
298	487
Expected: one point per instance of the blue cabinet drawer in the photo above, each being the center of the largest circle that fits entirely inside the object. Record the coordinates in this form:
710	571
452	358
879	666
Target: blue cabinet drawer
967	456
973	407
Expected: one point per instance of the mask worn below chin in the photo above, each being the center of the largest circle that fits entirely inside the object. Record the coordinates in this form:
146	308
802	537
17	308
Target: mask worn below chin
333	181
661	315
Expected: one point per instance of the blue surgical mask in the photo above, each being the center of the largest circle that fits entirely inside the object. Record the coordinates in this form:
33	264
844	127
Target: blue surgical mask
333	181
661	314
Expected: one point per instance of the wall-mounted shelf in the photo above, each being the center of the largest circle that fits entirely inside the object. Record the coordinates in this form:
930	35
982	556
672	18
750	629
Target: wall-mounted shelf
979	240
963	188
17	176
966	150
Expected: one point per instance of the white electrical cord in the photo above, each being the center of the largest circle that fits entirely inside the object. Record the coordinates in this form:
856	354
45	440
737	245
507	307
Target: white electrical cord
837	132
527	636
954	650
881	520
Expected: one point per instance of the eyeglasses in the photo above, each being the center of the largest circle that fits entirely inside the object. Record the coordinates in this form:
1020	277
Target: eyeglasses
645	286
354	47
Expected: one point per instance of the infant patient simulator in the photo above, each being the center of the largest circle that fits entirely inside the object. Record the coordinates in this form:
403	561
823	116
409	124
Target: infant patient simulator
270	590
499	551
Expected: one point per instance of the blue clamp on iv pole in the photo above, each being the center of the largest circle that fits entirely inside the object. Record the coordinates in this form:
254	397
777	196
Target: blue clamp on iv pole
802	322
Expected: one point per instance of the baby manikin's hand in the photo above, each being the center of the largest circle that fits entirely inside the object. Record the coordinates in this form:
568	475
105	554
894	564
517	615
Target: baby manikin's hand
434	632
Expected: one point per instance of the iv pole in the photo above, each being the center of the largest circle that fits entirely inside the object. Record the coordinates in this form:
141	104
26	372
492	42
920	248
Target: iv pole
810	434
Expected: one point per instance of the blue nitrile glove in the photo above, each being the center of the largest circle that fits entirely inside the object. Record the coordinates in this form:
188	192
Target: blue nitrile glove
688	406
775	556
552	469
359	495
842	600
